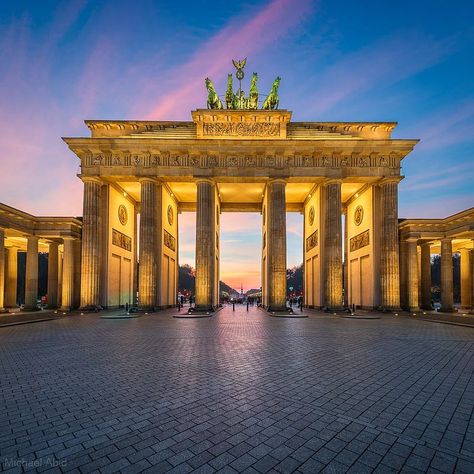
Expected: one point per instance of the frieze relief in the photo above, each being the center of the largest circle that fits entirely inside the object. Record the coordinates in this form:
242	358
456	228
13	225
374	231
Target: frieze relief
121	240
242	129
147	160
312	241
359	241
169	240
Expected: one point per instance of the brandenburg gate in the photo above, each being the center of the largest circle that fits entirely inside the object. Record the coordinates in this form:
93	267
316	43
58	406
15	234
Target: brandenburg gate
236	160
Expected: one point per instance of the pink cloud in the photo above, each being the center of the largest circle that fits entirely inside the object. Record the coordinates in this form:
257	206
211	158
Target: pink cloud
380	64
237	39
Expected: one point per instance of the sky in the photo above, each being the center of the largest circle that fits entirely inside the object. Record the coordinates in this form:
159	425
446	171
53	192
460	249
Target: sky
405	61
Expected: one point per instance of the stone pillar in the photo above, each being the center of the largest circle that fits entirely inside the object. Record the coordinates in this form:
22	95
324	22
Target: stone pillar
426	275
412	276
403	254
472	279
11	277
446	275
332	242
91	233
346	261
67	298
466	279
150	232
53	268
205	244
389	247
31	278
276	245
2	270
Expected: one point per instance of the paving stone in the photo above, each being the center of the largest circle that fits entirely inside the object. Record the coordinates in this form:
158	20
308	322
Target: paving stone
240	392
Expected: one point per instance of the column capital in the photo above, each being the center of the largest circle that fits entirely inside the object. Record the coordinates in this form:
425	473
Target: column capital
389	180
277	180
329	181
148	179
205	180
446	240
32	237
425	244
91	179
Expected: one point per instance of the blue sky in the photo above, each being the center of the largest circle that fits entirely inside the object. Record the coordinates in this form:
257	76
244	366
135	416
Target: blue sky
63	62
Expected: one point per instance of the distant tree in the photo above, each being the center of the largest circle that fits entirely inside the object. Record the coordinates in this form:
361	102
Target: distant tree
436	277
294	279
187	279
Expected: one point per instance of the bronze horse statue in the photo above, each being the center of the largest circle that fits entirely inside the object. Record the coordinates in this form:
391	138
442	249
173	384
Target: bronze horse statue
213	101
230	101
272	101
252	101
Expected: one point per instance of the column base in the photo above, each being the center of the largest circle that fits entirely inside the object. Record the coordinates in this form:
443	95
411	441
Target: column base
3	310
30	308
388	309
447	310
202	309
413	310
91	308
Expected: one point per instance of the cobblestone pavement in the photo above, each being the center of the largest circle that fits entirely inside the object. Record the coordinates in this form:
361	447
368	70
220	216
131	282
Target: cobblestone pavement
239	392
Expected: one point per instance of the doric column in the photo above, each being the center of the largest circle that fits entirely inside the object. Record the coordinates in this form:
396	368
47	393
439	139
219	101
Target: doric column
150	232
346	261
205	244
389	247
11	277
426	275
412	275
67	298
2	270
91	234
332	241
276	245
472	278
466	279
446	275
31	278
53	267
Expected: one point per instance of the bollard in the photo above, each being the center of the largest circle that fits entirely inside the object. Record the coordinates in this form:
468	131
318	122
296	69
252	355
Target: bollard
247	305
233	306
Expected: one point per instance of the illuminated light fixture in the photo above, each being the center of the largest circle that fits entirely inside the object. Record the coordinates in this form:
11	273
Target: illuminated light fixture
310	195
414	314
424	312
396	314
124	194
357	195
64	313
82	314
146	313
335	314
172	194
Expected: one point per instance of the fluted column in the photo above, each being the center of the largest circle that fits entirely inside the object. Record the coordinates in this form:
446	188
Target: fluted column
346	261
446	275
205	244
426	275
11	277
91	258
332	241
276	245
466	279
53	267
150	232
67	298
2	270
31	278
389	247
412	276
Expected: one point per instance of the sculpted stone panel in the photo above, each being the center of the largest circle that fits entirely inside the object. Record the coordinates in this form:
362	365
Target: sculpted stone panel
242	129
147	160
359	241
312	241
121	240
169	240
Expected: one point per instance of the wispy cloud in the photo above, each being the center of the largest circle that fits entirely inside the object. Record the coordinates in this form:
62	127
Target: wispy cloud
382	63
